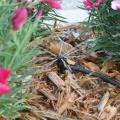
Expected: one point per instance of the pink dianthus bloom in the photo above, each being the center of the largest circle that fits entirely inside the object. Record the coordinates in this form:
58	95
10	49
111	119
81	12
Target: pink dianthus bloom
115	4
52	3
19	18
89	4
4	88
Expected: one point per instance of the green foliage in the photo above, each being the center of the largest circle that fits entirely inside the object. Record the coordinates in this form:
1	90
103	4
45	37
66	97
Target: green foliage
106	22
15	55
44	28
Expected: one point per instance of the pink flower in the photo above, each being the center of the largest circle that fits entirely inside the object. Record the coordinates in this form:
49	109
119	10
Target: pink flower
4	89
89	4
115	4
98	2
19	18
39	14
28	1
4	74
52	3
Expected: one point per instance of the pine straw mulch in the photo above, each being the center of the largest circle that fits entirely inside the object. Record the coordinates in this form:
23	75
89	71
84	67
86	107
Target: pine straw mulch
71	96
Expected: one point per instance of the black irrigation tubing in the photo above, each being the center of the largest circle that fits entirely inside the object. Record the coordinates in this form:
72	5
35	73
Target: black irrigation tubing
62	64
78	68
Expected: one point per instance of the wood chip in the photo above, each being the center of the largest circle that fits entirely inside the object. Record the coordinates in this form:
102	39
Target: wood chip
108	113
56	80
107	66
54	46
70	62
67	102
2	118
29	117
91	66
73	83
103	101
48	94
52	115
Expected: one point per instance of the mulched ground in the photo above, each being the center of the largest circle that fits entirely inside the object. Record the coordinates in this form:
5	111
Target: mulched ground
71	96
